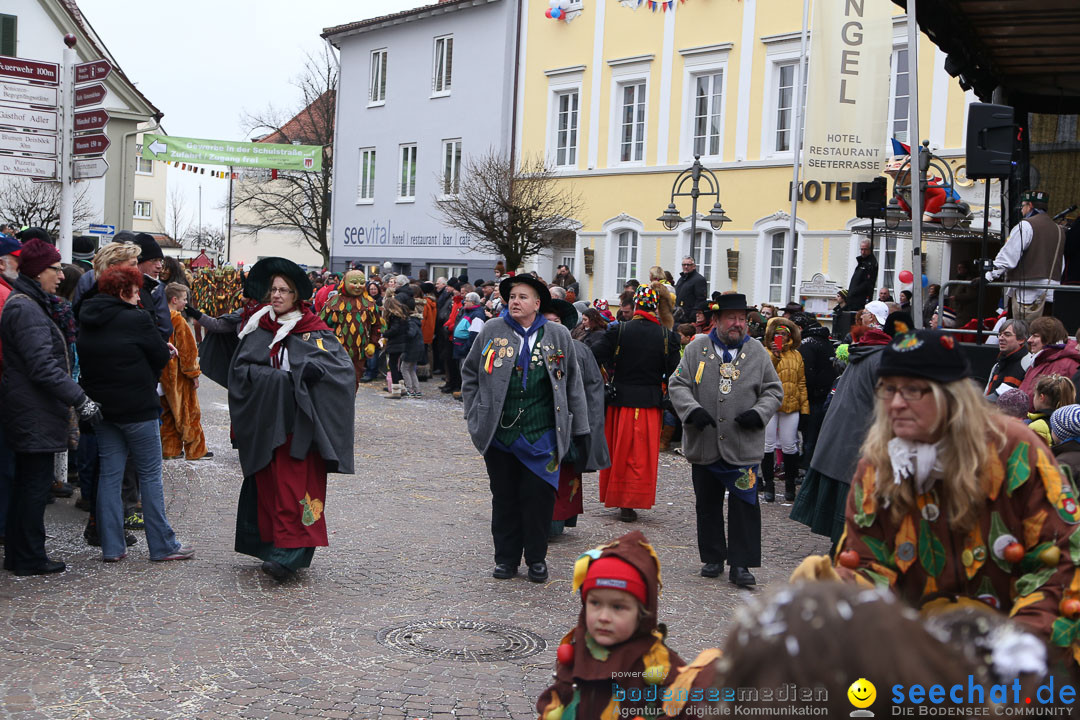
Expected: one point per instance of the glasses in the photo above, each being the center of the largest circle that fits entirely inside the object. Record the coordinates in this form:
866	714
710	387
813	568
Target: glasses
910	393
281	291
57	268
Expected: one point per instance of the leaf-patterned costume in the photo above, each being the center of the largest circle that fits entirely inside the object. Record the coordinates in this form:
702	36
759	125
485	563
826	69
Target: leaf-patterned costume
356	322
932	567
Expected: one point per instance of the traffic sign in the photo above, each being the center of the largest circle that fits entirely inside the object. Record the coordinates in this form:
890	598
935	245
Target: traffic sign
90	120
28	142
90	168
93	70
29	94
23	69
96	229
90	95
90	144
34	167
27	118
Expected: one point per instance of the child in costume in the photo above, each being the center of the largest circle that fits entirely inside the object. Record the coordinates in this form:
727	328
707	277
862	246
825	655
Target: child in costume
615	663
181	418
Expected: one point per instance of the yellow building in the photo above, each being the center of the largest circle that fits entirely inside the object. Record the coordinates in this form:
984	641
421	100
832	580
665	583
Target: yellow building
621	98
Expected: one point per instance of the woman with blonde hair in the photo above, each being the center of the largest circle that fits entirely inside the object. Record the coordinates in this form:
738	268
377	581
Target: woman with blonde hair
665	296
953	504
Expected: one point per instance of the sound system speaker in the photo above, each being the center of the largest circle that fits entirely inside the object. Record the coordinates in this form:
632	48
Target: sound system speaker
870	199
991	141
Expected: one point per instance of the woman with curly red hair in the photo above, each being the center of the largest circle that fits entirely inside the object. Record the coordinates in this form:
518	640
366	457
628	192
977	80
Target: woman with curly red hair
122	356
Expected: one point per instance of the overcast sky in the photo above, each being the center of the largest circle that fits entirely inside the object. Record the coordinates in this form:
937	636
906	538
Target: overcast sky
205	62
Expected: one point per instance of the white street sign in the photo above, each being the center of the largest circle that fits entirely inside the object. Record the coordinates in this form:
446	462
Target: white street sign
92	168
34	167
26	118
29	94
28	142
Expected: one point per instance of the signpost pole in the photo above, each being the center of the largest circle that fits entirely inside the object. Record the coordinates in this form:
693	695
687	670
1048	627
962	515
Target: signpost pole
67	192
796	146
917	176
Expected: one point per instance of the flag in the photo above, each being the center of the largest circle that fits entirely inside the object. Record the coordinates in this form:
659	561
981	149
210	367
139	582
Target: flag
899	148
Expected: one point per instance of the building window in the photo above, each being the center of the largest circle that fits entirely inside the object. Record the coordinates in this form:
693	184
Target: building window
377	91
451	167
366	186
568	261
626	268
566	134
632	122
782	262
708	92
701	249
444	65
143	166
887	261
900	95
407	176
446	271
143	209
786	77
8	34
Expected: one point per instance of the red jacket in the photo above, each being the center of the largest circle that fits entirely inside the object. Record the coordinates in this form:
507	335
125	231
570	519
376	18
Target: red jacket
1053	360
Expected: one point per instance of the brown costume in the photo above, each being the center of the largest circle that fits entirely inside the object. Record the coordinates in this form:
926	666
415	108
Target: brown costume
181	419
585	687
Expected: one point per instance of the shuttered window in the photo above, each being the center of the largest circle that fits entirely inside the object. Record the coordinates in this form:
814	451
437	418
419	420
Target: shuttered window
8	35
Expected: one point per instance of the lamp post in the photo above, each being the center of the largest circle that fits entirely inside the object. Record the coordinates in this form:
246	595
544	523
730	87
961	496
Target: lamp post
694	174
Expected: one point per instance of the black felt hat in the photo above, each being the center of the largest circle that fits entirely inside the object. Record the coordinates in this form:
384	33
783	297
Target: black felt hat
530	280
730	301
927	354
30	233
257	284
568	314
148	247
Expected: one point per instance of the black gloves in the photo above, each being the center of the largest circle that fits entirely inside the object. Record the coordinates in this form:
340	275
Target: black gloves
192	313
89	412
749	420
582	445
700	418
804	420
312	373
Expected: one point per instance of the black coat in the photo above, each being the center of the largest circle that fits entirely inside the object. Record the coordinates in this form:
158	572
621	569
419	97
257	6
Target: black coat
396	334
863	280
817	352
36	390
647	355
415	350
690	292
121	354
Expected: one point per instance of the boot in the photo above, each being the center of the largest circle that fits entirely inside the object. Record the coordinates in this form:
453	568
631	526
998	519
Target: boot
665	437
791	473
767	467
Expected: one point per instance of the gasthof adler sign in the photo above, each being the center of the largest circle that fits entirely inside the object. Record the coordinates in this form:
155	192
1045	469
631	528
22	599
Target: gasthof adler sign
303	158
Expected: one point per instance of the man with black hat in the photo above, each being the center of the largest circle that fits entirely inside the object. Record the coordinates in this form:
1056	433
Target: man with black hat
152	295
524	406
1033	253
725	391
82	251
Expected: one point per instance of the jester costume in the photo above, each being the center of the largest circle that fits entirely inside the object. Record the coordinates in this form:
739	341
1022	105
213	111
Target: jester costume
652	680
355	320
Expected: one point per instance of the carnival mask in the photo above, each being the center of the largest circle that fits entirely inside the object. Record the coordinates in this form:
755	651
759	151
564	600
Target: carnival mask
354	283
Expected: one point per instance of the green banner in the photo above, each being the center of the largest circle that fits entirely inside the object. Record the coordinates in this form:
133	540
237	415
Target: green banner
237	154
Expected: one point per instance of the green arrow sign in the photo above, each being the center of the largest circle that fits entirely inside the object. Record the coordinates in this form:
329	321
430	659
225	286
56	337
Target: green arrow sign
229	152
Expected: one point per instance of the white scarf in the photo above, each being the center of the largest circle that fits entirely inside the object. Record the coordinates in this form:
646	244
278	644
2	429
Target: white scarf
287	321
915	460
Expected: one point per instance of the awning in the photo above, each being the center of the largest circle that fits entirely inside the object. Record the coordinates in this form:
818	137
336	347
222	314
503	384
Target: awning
1031	48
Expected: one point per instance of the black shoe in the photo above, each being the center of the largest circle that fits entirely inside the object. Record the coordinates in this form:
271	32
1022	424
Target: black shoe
130	539
90	534
789	497
503	571
538	572
711	570
446	390
741	577
627	515
47	567
770	496
62	489
276	570
366	379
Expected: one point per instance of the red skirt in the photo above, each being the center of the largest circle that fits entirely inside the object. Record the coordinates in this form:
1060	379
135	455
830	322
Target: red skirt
291	495
568	502
633	438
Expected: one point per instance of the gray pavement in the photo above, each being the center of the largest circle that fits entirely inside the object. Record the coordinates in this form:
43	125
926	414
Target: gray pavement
409	543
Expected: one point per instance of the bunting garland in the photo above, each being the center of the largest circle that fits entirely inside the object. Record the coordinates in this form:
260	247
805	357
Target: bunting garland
220	174
654	5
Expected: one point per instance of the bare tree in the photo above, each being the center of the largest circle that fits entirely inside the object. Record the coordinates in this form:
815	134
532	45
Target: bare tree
207	238
516	215
297	201
178	219
27	203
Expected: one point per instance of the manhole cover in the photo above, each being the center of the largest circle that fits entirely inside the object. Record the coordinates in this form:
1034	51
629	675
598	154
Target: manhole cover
463	640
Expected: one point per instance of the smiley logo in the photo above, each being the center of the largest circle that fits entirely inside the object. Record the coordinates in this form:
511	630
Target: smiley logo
862	693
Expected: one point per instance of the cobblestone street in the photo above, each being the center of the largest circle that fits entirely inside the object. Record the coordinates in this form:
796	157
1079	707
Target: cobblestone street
409	543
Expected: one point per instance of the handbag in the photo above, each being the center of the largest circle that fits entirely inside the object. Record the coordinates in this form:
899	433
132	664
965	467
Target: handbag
609	386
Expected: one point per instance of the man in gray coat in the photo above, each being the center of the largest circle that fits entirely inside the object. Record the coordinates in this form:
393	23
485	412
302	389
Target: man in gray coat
524	407
725	391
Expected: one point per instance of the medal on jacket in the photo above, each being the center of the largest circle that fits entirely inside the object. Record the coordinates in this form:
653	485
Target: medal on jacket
728	375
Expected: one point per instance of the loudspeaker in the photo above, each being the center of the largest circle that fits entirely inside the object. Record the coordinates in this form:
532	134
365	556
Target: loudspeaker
991	141
870	199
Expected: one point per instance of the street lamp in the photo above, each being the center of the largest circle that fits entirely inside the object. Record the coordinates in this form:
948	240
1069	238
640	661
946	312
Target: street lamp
716	217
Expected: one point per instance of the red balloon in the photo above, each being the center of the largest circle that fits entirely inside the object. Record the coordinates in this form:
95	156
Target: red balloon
906	276
565	654
547	13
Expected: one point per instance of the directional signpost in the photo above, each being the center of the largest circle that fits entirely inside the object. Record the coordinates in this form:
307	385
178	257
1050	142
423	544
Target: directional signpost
94	70
89	168
34	167
33	70
90	144
23	142
90	95
91	120
27	118
29	94
96	229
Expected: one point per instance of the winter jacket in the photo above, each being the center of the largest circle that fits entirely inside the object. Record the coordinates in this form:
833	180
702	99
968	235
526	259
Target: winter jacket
817	353
121	357
1039	422
396	334
690	291
665	303
476	318
644	355
861	287
5	290
431	312
789	366
36	390
415	351
1068	453
1008	373
152	299
1053	360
